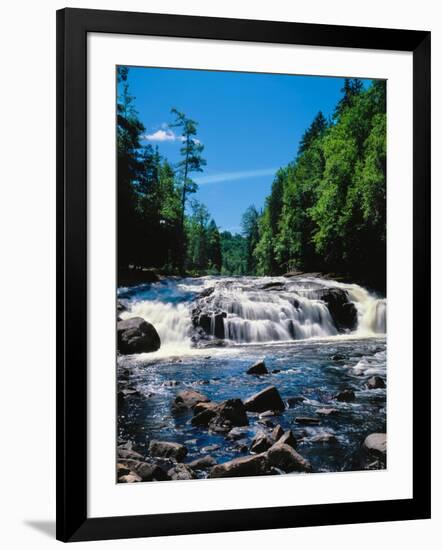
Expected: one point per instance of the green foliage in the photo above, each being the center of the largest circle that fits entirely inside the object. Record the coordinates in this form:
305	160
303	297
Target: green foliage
233	252
327	209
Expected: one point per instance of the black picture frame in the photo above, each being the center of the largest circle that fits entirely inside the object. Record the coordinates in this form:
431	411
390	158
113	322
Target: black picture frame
73	25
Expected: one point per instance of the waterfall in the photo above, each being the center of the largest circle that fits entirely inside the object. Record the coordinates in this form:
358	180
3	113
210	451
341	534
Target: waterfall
256	310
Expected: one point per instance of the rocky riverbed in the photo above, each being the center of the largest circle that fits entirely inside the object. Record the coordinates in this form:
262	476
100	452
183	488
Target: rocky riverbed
249	377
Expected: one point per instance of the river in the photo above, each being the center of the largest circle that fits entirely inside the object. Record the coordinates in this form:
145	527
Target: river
311	354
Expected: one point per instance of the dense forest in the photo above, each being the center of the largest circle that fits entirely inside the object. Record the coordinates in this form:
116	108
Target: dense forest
326	210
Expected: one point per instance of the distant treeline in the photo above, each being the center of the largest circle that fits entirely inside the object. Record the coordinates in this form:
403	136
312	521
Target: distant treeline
326	210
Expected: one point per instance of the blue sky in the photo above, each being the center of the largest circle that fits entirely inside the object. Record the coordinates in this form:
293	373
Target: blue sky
250	125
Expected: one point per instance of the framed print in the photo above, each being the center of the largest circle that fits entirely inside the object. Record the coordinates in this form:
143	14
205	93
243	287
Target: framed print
240	204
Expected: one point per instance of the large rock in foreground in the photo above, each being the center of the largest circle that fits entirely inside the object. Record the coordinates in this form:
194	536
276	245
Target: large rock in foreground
167	449
135	335
284	457
254	465
266	400
376	444
188	399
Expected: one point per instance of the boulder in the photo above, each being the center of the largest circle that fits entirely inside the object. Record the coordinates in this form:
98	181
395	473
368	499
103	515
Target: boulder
293	401
277	433
202	463
229	414
253	465
187	399
146	471
375	382
307	420
210	321
181	472
260	443
376	444
288	439
237	433
129	478
204	417
128	453
327	412
122	470
167	449
135	335
285	458
342	311
267	399
347	396
258	368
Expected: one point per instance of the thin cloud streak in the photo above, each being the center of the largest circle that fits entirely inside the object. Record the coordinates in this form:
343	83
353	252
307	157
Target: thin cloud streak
234	176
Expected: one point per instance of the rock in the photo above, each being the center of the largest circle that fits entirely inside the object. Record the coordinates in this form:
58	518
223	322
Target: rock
181	471
324	437
227	415
268	414
187	399
338	357
237	433
288	439
128	453
203	463
204	406
307	420
260	443
210	448
275	371
277	433
258	368
210	321
375	382
147	471
204	417
122	470
129	478
135	335
284	457
253	465
376	444
293	401
167	449
275	285
327	412
267	399
342	311
345	395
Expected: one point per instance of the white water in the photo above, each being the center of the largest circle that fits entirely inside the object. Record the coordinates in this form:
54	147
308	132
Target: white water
254	315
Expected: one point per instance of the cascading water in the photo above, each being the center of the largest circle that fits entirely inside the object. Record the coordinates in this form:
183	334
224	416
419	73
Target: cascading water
252	310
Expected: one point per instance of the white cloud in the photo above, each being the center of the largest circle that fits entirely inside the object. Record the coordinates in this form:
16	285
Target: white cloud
163	135
233	176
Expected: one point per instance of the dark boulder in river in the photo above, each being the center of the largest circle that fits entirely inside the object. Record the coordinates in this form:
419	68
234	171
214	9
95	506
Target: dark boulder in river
376	444
253	465
187	399
258	368
167	449
135	335
375	382
266	400
343	311
345	396
287	459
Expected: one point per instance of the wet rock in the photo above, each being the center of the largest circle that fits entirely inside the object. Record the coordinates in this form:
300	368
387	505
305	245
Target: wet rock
342	311
237	433
375	382
284	457
307	420
267	399
210	321
346	396
187	399
260	443
210	448
275	371
376	444
338	357
167	449
204	406
135	335
181	472
203	463
277	433
253	465
122	470
293	401
327	412
147	471
229	414
128	453
204	417
258	368
275	285
288	439
268	414
129	478
324	437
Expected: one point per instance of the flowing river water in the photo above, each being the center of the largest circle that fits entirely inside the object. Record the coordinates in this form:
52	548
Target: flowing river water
309	356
